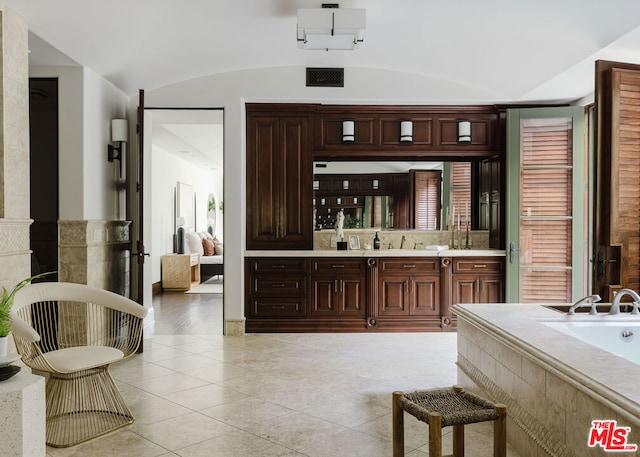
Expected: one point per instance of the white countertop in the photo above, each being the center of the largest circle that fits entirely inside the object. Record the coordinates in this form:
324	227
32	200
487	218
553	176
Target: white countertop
610	377
379	253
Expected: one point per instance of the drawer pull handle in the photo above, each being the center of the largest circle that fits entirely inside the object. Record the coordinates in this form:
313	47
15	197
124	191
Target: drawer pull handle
277	266
409	266
479	266
337	266
277	307
277	285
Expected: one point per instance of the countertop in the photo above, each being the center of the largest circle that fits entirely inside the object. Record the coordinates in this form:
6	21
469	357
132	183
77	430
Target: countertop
379	253
612	378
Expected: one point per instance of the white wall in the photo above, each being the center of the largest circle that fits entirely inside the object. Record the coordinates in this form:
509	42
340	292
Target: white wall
86	105
287	84
166	170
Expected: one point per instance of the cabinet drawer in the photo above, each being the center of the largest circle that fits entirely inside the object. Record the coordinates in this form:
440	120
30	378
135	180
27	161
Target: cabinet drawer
195	260
277	307
333	266
409	264
278	265
278	285
478	265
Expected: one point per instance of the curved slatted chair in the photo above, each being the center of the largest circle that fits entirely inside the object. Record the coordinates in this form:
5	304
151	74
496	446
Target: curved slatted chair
72	333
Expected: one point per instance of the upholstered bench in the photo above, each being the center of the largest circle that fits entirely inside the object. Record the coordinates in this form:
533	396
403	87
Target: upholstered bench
451	406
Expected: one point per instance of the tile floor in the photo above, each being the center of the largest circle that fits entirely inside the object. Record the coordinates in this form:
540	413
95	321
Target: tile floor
196	393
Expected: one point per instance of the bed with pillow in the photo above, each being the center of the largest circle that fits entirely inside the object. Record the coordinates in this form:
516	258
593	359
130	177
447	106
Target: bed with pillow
210	250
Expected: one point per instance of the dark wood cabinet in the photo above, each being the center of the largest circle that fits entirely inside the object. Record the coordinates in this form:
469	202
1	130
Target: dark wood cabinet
408	287
477	280
279	173
277	288
331	294
338	288
377	132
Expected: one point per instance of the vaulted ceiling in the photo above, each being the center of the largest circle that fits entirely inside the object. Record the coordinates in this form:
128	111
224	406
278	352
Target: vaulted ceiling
504	50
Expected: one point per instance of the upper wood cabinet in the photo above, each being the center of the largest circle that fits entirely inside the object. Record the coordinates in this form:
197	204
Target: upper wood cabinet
279	175
377	132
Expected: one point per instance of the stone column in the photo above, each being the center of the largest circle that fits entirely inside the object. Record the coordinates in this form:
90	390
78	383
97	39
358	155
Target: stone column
15	258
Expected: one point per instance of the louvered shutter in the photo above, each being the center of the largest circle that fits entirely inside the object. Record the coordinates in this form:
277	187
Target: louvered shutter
545	210
460	192
427	199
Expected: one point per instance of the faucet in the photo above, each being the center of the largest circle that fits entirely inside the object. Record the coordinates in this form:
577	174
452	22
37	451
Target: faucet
415	246
586	301
615	304
402	242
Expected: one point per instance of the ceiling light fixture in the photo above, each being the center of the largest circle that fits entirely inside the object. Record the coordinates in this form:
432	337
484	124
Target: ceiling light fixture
331	28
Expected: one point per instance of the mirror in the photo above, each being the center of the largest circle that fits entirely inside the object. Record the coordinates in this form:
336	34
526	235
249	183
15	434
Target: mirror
387	195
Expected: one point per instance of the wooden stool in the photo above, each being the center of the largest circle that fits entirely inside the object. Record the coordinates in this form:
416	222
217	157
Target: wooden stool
444	407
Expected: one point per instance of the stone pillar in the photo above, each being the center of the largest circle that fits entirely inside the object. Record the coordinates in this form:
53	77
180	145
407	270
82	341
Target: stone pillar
22	415
15	256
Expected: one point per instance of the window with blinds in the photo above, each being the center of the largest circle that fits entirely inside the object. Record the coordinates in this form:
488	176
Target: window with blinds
426	212
545	210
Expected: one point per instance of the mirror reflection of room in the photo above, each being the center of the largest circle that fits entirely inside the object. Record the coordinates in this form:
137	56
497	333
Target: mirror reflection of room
392	195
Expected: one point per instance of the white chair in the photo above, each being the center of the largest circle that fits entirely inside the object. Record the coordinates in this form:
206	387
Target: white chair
72	332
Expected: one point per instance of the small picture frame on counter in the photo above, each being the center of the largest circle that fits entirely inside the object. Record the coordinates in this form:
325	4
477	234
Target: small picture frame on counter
354	242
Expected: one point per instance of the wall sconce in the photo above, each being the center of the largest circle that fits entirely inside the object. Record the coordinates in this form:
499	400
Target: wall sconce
348	131
119	135
345	184
338	201
322	201
316	185
355	200
406	131
464	132
374	184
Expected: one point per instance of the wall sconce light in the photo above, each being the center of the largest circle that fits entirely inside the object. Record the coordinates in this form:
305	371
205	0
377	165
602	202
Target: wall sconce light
316	185
406	131
355	200
322	201
345	184
338	201
464	132
119	135
348	131
374	184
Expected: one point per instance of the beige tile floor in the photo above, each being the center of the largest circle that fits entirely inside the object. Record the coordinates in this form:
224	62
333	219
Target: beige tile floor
195	393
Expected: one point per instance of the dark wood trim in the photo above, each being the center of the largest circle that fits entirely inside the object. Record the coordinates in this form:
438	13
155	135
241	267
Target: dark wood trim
156	288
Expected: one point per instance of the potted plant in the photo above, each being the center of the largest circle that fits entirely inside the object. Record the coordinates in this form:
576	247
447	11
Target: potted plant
5	307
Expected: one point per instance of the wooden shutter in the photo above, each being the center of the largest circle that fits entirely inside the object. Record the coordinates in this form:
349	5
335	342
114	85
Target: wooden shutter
545	209
460	191
427	199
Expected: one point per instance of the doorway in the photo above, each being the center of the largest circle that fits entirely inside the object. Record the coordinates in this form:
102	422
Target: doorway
43	128
184	149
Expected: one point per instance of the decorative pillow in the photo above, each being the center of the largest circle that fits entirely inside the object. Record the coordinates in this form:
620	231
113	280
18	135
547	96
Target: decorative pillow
216	241
201	235
207	244
194	244
218	249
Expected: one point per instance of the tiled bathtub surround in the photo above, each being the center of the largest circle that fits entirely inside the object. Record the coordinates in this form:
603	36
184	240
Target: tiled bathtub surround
554	386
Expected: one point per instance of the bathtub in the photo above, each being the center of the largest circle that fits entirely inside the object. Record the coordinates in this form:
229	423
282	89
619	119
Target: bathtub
617	337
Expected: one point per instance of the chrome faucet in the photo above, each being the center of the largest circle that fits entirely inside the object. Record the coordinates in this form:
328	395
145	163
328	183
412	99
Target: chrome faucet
586	301
615	304
402	242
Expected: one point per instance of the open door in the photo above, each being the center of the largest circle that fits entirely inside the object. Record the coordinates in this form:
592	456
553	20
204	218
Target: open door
547	239
617	208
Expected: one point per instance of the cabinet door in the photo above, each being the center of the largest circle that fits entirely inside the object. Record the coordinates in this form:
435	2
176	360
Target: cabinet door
465	289
324	290
279	173
351	296
491	290
424	295
393	295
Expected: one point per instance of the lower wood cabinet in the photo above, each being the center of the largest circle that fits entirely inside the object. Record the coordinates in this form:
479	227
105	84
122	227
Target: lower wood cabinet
291	294
477	280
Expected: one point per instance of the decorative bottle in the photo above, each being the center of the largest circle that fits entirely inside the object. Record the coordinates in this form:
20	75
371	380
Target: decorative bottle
376	242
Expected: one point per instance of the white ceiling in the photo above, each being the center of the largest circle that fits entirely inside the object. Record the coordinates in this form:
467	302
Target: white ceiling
509	50
503	51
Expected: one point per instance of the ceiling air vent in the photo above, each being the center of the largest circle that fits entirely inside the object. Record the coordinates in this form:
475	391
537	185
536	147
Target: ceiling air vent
325	77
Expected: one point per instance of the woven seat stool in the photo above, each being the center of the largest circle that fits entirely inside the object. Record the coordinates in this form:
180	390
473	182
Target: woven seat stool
452	406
